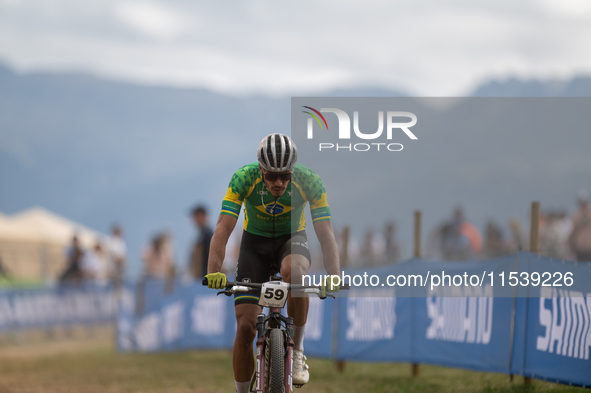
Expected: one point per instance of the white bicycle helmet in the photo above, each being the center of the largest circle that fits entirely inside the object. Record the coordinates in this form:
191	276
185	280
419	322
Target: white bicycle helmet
277	153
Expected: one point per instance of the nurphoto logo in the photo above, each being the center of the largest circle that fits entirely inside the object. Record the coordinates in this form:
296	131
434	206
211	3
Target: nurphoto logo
393	123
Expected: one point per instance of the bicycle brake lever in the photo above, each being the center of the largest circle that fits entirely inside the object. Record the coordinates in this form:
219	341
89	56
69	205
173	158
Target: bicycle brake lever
327	295
226	292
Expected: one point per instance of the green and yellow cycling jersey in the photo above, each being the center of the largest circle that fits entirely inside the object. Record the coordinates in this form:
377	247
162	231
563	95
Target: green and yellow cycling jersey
266	216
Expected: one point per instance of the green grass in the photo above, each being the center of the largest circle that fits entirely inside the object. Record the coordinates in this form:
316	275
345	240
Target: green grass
20	284
102	370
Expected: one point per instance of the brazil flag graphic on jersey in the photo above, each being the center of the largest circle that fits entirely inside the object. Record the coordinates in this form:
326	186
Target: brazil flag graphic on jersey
266	216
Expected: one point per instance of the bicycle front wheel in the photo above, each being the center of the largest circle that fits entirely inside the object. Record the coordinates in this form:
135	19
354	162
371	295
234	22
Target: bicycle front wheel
275	362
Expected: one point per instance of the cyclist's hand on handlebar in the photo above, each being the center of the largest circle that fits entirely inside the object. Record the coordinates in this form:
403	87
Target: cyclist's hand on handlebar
216	280
332	284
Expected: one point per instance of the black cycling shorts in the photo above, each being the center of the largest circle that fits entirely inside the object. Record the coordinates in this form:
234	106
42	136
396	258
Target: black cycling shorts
260	258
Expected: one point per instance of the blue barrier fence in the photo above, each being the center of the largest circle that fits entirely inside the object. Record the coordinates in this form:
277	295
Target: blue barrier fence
538	331
64	306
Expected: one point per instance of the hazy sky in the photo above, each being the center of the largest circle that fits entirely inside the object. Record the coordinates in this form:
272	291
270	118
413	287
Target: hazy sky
426	47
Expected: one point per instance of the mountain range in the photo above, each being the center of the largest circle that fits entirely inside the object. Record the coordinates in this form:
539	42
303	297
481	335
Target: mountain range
99	151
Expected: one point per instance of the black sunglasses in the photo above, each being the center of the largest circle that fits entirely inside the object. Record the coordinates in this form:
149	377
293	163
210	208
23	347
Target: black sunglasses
269	176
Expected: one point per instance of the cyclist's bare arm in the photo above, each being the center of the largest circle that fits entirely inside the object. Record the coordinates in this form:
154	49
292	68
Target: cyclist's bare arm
217	249
330	250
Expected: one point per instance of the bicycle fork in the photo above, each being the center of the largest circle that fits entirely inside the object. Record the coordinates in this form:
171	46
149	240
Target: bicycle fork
260	366
289	359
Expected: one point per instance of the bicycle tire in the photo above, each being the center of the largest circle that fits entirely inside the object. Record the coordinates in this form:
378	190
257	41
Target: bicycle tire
276	362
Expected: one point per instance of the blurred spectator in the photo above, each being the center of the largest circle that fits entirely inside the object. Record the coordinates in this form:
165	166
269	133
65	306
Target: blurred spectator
580	236
494	245
95	265
457	240
372	249
349	248
354	249
367	252
200	251
516	237
74	255
157	256
392	249
116	251
555	228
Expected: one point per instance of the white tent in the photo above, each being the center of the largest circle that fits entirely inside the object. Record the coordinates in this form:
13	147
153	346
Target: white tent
32	242
16	232
42	226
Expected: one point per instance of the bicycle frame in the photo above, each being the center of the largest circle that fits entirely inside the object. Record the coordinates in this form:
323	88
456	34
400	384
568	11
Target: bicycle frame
265	325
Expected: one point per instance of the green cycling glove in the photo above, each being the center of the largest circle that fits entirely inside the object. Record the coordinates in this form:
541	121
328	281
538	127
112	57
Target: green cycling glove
331	284
334	283
216	280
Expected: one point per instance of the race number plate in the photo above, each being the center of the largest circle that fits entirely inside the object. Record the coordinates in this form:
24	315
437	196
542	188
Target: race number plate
274	294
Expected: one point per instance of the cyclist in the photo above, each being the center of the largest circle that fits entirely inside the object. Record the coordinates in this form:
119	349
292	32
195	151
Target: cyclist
274	191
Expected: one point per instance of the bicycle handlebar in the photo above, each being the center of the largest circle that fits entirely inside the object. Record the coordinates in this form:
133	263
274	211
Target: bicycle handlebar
254	285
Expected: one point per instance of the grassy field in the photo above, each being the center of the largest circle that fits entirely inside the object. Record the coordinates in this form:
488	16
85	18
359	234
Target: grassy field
20	284
84	361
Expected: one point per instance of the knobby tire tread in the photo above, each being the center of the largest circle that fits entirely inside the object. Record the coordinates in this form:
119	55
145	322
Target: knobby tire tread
276	362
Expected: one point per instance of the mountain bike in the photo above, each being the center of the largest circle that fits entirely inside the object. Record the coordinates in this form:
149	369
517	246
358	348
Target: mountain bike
274	344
